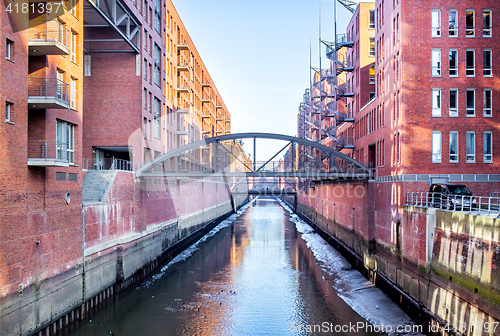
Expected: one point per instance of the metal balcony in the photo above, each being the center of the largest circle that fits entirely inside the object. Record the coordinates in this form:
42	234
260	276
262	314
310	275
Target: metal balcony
183	109
182	131
47	93
47	153
48	38
183	64
182	47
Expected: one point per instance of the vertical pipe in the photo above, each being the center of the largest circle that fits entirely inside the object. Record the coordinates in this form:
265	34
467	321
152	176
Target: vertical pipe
254	156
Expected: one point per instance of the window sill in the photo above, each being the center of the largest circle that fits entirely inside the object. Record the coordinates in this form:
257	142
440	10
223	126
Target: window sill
471	116
470	76
488	76
487	161
9	122
487	36
454	162
437	162
487	115
471	162
453	76
453	36
453	116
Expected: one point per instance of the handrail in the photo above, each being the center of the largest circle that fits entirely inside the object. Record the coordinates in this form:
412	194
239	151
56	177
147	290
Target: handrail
453	202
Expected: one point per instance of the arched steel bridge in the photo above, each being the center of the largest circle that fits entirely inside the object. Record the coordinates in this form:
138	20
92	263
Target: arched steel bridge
223	156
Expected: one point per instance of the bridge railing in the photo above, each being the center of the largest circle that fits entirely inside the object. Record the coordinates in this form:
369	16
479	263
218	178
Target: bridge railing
107	164
454	202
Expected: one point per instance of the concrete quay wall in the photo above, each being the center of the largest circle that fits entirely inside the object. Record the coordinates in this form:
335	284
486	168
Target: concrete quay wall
441	267
138	227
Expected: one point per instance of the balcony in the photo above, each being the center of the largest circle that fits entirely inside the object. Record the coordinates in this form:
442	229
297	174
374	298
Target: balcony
47	93
47	153
182	89
48	38
182	131
183	109
183	46
183	64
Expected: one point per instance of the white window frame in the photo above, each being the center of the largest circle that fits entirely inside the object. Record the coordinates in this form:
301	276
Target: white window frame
488	139
453	30
436	102
487	55
371	24
8	49
470	146
436	23
73	46
453	111
8	112
454	141
453	71
470	110
487	110
487	30
470	71
436	147
65	134
371	51
436	62
470	32
72	88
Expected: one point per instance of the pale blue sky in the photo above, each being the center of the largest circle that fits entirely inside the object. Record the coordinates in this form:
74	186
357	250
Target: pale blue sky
257	53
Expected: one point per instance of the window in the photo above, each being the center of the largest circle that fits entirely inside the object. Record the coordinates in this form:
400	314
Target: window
452	23
487	103
470	144
157	106
65	136
372	95
72	103
469	62
372	47
453	146
436	62
436	23
73	46
436	102
8	112
372	20
61	92
157	23
453	62
486	23
469	23
488	147
9	49
372	74
73	4
471	105
487	62
453	103
157	66
436	146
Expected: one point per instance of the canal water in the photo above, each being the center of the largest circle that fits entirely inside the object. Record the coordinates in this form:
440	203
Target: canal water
254	274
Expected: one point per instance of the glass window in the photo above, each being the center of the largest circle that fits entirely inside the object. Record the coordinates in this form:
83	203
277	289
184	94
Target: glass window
436	23
72	93
487	103
453	62
9	49
471	102
8	111
488	147
487	62
65	136
73	46
453	103
453	146
436	62
372	47
372	74
372	20
469	62
436	146
452	23
157	118
486	23
469	23
436	102
470	144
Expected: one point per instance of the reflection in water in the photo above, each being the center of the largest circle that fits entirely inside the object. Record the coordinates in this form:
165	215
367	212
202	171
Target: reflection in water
254	277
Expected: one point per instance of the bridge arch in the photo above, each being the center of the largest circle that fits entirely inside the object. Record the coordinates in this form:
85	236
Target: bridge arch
344	162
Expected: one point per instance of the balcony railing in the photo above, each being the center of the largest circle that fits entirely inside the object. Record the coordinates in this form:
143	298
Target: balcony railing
47	153
107	164
48	38
47	93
